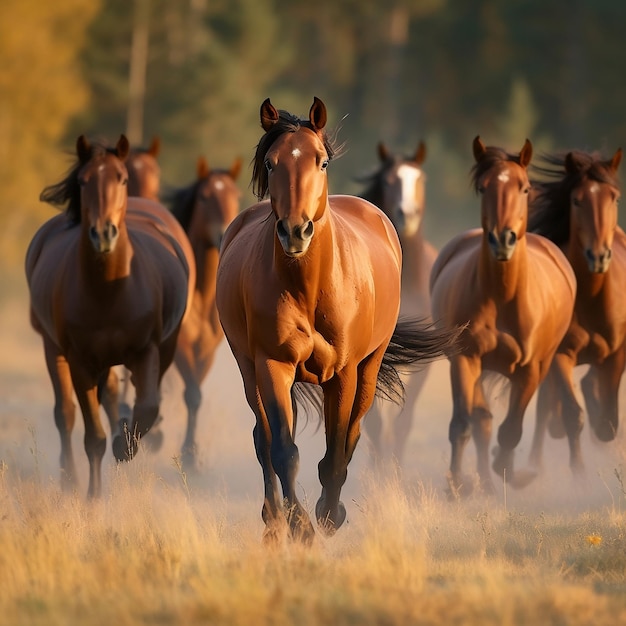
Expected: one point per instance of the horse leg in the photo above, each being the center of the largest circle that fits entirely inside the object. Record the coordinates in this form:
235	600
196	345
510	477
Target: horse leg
524	383
274	380
464	374
609	377
482	424
374	426
404	420
64	411
86	388
109	387
347	397
146	372
548	408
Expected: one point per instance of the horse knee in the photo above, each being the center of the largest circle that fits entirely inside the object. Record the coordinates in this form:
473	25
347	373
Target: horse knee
509	435
95	447
329	474
459	431
285	460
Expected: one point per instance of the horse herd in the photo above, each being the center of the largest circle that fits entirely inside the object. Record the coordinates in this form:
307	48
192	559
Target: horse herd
331	300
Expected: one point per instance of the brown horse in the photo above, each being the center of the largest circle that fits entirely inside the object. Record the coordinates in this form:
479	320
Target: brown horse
308	291
110	281
398	188
144	173
576	207
205	208
517	290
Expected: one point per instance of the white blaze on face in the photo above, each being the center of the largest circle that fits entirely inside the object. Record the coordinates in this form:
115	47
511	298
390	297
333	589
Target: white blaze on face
295	153
594	188
504	176
219	185
408	176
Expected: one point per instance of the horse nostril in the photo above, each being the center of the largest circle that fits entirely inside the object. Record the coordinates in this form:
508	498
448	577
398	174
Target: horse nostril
112	231
281	230
590	255
609	252
493	240
307	232
93	233
511	238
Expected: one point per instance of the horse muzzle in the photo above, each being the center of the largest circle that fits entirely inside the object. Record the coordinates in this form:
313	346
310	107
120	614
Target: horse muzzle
295	240
104	239
598	263
502	245
407	223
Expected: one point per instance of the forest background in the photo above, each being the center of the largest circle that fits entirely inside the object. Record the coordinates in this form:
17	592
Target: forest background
194	72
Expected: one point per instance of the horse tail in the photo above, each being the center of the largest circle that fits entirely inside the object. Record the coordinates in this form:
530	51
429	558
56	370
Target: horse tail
415	343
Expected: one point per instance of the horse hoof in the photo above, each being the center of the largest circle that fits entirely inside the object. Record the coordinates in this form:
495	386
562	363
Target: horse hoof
329	525
123	450
604	430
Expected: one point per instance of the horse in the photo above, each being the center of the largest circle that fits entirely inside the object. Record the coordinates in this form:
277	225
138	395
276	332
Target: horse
110	280
576	208
517	291
398	188
144	173
308	293
204	209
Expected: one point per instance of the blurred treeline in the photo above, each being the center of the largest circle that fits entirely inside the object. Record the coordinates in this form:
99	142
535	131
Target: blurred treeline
398	71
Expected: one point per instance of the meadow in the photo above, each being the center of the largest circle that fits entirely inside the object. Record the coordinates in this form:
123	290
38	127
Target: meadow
164	547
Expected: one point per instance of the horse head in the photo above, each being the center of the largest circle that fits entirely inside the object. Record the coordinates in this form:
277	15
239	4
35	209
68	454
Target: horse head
216	203
402	189
144	173
295	161
502	181
103	180
593	206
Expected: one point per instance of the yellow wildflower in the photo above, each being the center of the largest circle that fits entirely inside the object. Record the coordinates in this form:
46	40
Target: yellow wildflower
594	540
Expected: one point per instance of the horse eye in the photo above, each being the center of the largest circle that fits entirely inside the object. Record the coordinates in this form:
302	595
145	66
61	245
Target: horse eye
324	164
268	165
481	189
527	190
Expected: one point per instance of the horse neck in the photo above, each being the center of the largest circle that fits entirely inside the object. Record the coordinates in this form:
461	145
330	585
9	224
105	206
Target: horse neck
99	269
505	280
206	274
414	270
303	276
588	284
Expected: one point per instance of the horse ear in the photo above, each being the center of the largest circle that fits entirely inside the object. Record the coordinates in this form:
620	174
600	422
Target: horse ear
479	148
526	154
317	114
122	148
572	164
420	153
235	168
155	146
616	160
269	115
383	152
83	149
202	168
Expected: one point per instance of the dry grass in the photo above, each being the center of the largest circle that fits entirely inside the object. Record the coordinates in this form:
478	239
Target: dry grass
165	548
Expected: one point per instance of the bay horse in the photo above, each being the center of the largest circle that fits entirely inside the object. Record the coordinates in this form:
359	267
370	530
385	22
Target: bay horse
144	172
110	281
517	291
576	208
204	209
398	187
308	291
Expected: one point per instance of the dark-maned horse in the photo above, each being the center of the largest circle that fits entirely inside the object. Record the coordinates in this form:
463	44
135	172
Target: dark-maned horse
205	208
144	172
398	188
308	291
110	281
576	207
517	290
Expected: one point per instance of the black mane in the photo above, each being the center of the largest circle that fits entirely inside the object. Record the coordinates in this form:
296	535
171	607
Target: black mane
67	191
549	213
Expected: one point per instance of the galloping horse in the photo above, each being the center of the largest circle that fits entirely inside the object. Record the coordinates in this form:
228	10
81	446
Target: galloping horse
517	290
205	208
398	188
144	173
110	281
576	207
308	291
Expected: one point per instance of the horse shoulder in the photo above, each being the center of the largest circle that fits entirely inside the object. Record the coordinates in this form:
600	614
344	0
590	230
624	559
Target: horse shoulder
550	257
459	245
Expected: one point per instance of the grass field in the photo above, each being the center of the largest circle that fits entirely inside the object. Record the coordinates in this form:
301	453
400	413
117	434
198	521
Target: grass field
166	548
